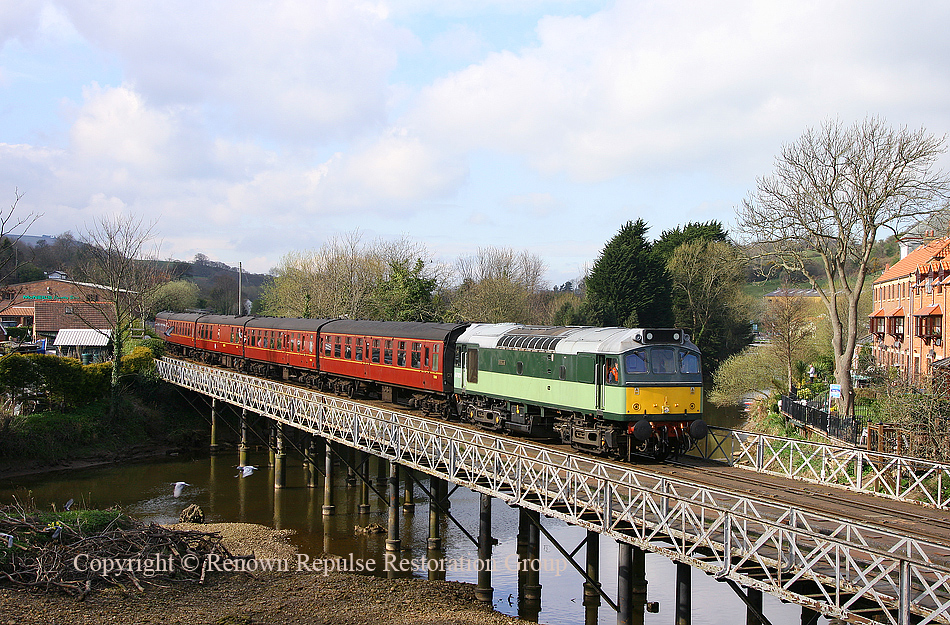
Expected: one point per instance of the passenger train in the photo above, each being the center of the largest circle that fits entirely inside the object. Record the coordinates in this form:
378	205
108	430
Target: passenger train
611	391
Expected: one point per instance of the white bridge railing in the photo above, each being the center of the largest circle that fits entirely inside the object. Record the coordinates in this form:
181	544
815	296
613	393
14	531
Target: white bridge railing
888	475
832	565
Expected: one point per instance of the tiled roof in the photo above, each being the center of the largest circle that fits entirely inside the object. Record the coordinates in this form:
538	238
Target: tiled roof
923	255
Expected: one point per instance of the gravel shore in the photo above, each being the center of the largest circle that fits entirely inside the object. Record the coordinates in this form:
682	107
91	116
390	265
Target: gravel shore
259	598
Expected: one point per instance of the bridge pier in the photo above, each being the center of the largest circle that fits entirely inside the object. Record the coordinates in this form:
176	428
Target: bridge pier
382	473
435	498
364	507
754	607
349	456
684	591
242	448
483	590
532	587
393	544
409	502
310	462
271	444
529	573
328	507
280	460
631	585
214	426
591	592
809	617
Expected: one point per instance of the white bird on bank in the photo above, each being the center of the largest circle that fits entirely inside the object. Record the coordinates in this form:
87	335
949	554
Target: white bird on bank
179	486
9	539
245	471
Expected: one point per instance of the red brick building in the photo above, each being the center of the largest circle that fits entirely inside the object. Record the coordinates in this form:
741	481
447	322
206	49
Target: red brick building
910	301
54	304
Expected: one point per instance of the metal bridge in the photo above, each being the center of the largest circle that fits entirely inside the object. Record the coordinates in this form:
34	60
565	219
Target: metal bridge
837	566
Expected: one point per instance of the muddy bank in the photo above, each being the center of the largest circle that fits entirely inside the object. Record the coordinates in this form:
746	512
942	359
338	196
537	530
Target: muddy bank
100	459
260	598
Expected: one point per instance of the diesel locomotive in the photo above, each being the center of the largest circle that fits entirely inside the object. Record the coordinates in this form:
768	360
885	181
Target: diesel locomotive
609	391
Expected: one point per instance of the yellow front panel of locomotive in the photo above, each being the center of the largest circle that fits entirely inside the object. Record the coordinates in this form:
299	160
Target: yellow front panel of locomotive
657	400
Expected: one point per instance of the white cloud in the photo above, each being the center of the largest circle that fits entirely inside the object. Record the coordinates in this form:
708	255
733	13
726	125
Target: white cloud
298	71
659	85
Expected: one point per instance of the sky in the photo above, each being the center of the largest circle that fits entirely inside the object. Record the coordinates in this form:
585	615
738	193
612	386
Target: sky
247	129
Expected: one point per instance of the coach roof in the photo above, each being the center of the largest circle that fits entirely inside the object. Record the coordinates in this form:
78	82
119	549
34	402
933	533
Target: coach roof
395	329
284	323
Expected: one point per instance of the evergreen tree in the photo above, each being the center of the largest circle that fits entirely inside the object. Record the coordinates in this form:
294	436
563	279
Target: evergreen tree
693	231
629	284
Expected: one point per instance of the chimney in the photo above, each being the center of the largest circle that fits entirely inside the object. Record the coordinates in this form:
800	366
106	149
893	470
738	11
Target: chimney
904	248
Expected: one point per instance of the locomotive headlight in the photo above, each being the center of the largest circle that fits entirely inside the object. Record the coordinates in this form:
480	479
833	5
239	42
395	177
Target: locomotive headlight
666	409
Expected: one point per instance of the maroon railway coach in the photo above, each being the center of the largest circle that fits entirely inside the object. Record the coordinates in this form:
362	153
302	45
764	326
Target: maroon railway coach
400	362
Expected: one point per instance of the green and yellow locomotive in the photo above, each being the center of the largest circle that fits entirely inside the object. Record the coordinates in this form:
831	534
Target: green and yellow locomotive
612	391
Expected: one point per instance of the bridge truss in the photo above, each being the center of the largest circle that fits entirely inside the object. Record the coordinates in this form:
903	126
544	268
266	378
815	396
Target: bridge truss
836	566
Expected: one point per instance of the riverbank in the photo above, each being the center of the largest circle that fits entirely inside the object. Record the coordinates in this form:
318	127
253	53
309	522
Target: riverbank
259	598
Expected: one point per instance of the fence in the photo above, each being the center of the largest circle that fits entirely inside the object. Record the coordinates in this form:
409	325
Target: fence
842	427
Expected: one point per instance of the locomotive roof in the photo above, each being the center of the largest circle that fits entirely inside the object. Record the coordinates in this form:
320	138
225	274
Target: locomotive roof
563	339
395	329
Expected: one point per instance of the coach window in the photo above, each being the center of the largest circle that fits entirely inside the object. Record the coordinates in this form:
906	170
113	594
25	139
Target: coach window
336	347
348	348
388	353
426	361
327	346
416	358
359	349
376	351
435	358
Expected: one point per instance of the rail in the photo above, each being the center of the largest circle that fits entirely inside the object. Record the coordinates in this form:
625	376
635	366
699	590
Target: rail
832	565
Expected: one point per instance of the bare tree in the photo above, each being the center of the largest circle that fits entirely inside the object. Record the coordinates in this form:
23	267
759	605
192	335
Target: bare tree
498	284
786	323
13	225
830	195
119	259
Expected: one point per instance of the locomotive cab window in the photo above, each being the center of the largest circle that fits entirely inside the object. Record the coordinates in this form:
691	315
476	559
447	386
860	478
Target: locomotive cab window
635	362
689	362
662	360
